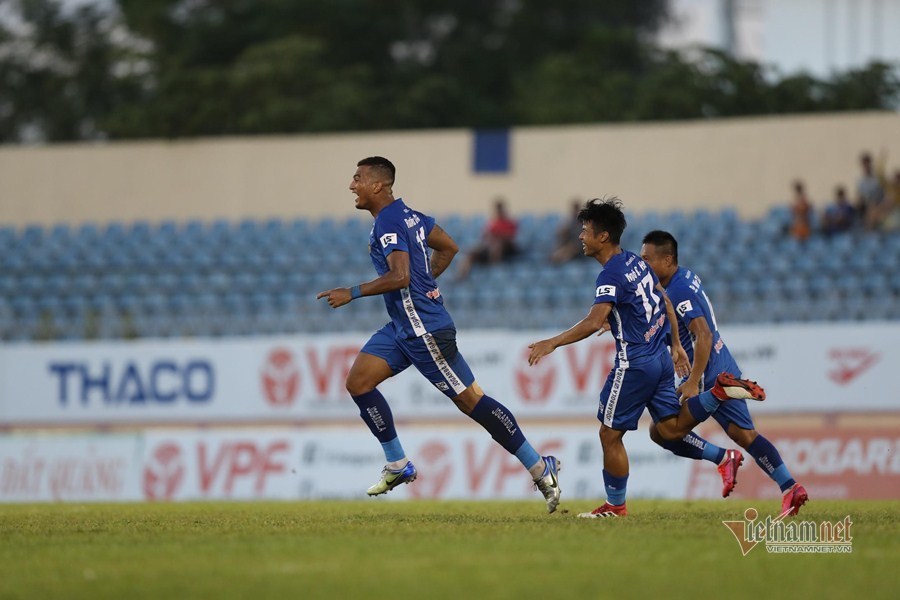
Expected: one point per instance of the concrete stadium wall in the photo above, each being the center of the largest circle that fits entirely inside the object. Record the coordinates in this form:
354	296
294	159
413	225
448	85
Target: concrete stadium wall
744	163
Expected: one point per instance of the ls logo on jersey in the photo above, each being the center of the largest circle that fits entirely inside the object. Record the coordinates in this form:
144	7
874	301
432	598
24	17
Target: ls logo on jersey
606	290
388	239
684	307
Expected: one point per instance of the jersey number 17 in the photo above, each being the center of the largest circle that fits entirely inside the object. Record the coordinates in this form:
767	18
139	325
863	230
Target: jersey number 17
645	291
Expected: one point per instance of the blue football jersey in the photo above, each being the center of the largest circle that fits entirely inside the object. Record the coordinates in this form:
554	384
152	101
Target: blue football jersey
419	308
638	318
686	292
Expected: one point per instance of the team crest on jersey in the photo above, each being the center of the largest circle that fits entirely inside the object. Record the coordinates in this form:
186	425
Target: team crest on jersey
606	290
388	239
684	307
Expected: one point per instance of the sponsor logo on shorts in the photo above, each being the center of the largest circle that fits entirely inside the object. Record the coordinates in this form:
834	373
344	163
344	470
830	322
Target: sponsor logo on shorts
441	385
613	399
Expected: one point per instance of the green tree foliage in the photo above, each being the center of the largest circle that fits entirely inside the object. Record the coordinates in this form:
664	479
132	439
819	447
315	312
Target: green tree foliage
58	72
176	68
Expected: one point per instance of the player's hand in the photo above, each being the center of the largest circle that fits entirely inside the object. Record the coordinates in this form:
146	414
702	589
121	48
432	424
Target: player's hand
336	297
681	360
539	350
686	390
603	328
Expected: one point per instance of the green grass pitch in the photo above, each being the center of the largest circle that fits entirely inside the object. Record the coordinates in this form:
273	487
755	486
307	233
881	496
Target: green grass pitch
381	549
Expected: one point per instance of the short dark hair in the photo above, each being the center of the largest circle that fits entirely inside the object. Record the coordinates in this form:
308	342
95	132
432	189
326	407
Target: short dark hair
605	215
382	164
664	241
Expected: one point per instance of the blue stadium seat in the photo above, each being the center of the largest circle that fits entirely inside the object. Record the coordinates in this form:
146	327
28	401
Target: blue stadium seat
224	278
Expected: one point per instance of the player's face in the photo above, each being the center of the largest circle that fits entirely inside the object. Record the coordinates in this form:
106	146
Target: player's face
362	185
590	240
656	260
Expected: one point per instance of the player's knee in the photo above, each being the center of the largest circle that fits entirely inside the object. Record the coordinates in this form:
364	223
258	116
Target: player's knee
668	431
742	437
357	386
655	436
466	401
609	437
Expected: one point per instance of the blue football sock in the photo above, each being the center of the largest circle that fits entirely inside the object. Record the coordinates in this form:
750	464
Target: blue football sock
527	455
695	447
393	451
615	488
769	460
502	425
713	453
374	410
703	406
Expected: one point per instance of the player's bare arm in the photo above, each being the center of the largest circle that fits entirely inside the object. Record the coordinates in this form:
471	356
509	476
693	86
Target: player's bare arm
396	278
702	348
581	330
604	328
444	250
679	355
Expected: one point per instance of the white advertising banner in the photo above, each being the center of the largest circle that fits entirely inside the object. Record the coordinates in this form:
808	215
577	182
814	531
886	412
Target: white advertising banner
69	467
316	463
839	367
851	458
342	462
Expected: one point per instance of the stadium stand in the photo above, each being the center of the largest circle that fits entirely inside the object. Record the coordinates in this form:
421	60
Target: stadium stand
260	277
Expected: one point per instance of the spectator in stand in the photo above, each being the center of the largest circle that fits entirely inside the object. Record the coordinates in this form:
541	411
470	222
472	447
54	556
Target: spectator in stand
498	241
840	216
568	244
801	213
870	197
891	220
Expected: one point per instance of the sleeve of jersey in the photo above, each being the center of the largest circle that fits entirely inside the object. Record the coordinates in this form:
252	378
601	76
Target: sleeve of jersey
607	288
686	305
429	224
391	235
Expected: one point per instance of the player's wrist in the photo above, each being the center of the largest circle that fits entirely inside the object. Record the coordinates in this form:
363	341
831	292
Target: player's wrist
355	292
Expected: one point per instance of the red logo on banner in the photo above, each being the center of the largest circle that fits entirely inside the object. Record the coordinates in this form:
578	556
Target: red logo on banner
831	461
590	363
435	465
535	383
280	378
222	465
851	363
329	370
164	473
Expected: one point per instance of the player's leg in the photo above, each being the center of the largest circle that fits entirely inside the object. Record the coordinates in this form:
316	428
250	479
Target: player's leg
697	448
436	356
615	473
699	408
501	424
379	360
692	445
624	396
736	421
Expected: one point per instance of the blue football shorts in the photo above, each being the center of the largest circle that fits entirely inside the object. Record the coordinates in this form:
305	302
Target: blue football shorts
628	390
434	355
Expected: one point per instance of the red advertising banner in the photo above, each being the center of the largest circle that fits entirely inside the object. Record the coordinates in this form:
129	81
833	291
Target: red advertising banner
841	457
